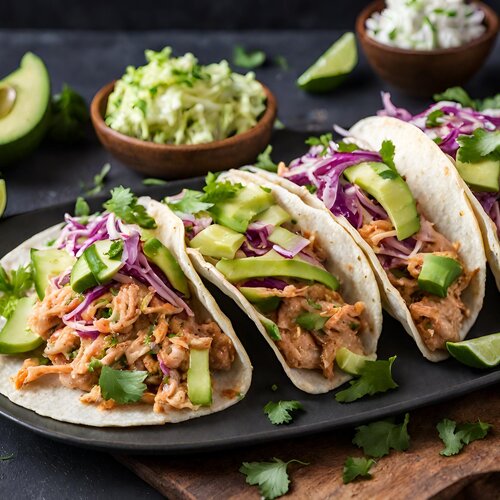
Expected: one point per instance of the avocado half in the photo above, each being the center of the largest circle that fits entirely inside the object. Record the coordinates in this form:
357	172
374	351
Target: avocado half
23	128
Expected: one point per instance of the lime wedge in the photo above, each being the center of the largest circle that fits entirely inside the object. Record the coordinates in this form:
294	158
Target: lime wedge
483	352
351	362
332	67
3	197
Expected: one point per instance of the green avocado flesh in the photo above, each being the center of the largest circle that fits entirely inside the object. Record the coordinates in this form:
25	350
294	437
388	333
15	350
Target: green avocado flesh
198	377
261	267
237	212
438	273
160	255
391	191
23	127
482	176
285	238
274	215
261	297
47	264
350	362
217	241
94	267
15	336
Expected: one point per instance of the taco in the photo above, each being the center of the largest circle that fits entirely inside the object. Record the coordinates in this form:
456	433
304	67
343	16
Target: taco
418	231
296	273
118	329
471	138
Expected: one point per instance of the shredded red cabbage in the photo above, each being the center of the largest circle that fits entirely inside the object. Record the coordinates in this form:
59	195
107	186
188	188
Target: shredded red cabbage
164	368
491	205
266	283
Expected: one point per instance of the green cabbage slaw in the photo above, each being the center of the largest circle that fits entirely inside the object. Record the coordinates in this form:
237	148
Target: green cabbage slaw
175	100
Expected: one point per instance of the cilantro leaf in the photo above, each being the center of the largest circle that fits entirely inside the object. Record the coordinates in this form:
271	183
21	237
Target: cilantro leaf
456	94
432	118
455	437
69	116
122	386
154	182
378	438
357	467
265	162
492	102
387	153
190	203
82	208
281	62
311	188
115	250
344	147
481	145
99	180
248	60
10	456
323	140
279	413
13	285
123	203
215	192
375	376
388	174
271	477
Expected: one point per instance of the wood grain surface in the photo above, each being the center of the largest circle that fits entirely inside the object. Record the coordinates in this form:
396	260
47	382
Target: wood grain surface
419	473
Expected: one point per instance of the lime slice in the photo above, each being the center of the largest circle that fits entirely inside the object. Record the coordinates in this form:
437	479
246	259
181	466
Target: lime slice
332	67
483	352
3	197
351	362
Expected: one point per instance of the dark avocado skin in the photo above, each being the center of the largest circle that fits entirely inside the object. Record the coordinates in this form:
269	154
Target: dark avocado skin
13	151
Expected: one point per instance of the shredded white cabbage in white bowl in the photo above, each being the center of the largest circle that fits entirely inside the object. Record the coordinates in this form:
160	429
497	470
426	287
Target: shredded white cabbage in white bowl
178	101
426	24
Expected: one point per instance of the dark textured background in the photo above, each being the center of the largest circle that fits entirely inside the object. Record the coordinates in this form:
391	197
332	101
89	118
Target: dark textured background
183	14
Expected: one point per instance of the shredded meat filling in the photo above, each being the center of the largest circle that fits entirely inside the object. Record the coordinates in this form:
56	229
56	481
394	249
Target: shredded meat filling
136	330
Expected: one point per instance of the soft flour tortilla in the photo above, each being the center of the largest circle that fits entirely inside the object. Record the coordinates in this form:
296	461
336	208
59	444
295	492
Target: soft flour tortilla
344	260
49	398
440	193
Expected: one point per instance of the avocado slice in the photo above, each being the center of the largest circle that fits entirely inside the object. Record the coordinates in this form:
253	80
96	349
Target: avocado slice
217	241
47	264
261	297
102	266
237	212
23	123
261	267
81	276
285	238
481	176
198	377
15	336
274	215
160	255
391	191
438	273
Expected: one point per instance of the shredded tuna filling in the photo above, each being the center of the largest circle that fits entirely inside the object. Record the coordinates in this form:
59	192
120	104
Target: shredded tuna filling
437	319
136	330
316	349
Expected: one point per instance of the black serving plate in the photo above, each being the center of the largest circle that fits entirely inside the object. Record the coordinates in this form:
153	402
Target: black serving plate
420	381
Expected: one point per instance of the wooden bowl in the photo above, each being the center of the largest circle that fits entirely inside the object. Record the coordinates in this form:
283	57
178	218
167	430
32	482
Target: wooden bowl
424	72
179	161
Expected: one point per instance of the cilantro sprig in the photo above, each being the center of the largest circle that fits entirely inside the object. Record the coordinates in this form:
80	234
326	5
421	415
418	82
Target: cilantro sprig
458	94
357	467
455	437
82	208
13	286
123	203
378	438
122	386
432	119
265	162
99	180
271	477
323	140
387	153
481	145
248	59
374	377
280	412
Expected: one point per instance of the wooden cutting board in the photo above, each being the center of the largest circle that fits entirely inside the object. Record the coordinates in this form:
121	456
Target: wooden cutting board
419	473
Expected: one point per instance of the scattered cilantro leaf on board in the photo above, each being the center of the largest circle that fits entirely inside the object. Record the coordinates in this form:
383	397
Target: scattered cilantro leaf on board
271	477
455	437
378	438
151	181
248	59
99	180
357	467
